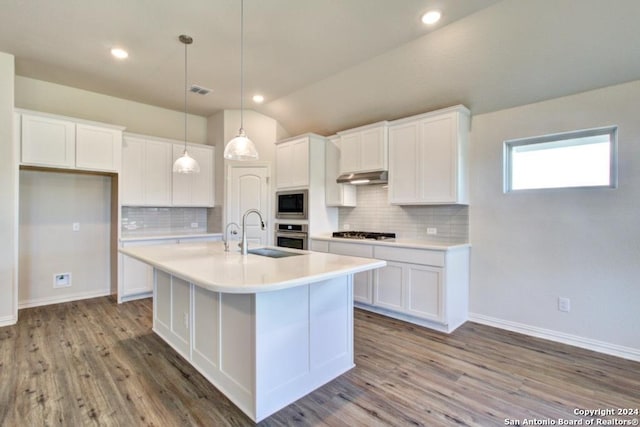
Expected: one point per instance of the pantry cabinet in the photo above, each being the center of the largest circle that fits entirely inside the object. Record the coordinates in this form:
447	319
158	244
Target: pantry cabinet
61	142
364	149
428	158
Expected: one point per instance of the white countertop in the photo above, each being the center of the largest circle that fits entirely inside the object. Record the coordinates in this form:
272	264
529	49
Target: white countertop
206	264
400	243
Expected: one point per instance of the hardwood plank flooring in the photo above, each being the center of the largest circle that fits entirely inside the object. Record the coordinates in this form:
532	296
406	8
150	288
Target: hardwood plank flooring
95	362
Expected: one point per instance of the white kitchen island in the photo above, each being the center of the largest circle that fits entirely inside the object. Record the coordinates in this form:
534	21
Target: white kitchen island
265	331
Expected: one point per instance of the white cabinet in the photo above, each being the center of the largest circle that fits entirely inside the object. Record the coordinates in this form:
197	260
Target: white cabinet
336	194
146	172
427	287
292	163
428	158
98	148
58	142
135	279
362	282
364	149
194	189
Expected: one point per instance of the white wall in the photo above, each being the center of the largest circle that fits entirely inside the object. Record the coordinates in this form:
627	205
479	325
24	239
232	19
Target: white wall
8	195
140	118
50	202
583	244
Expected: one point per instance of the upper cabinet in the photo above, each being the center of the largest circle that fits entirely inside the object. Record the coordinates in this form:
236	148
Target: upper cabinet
147	177
428	158
336	194
59	142
364	149
146	172
194	189
292	163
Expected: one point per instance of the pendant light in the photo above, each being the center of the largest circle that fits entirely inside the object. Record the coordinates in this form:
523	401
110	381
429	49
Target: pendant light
241	147
186	163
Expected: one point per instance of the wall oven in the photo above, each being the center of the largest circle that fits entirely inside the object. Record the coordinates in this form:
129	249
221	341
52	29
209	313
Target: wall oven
293	236
292	204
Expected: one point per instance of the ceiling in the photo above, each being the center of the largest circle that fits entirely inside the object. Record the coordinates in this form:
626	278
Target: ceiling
327	65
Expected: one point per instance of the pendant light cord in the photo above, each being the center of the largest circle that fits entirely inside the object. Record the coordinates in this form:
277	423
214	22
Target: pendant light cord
241	66
185	97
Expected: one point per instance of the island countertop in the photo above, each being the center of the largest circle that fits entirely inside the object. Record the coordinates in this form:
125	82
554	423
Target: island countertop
207	265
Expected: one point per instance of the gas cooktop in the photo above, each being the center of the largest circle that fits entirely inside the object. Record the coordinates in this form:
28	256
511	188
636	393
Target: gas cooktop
364	235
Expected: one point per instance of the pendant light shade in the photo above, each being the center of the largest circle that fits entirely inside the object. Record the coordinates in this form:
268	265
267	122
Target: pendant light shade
241	147
186	163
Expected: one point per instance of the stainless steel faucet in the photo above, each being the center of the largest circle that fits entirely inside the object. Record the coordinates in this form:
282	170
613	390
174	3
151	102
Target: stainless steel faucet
243	244
226	235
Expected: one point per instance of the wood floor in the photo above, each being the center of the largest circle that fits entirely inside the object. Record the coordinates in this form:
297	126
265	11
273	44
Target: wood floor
94	362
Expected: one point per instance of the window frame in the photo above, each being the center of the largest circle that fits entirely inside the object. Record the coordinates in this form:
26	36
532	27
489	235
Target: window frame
508	145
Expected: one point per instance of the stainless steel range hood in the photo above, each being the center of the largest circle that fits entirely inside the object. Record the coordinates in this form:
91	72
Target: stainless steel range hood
377	177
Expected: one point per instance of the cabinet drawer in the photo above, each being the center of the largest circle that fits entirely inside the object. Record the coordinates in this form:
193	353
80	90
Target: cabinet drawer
414	256
319	246
365	251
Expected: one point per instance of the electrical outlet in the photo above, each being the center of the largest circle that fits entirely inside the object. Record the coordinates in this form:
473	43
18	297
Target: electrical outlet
194	225
564	304
62	280
432	231
346	226
76	226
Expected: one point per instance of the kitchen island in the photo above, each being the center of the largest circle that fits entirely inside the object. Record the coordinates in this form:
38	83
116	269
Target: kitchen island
265	331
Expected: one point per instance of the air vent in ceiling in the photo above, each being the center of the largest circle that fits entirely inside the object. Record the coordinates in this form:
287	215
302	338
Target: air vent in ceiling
199	90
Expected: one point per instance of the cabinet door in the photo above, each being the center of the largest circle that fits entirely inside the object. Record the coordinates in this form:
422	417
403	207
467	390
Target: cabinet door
300	163
389	287
132	175
373	150
98	148
194	189
404	164
362	282
284	173
137	276
439	159
350	152
47	142
336	194
425	292
292	164
202	183
157	170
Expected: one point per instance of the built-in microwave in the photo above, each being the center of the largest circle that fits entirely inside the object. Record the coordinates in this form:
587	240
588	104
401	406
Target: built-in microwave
292	204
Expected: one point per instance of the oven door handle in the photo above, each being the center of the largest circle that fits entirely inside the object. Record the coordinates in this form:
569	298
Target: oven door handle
290	234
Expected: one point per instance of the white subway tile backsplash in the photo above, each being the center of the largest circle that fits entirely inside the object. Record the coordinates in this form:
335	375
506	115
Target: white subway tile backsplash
145	221
374	213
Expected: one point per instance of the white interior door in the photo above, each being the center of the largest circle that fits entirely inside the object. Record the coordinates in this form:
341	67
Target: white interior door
248	188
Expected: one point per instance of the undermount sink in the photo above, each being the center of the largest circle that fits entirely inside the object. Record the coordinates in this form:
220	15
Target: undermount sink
272	253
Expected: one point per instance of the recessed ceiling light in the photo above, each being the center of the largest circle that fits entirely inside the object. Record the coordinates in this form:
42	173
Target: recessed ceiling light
119	53
431	17
258	99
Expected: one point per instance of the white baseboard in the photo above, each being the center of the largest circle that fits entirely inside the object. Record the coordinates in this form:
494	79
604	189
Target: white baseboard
36	302
8	321
561	337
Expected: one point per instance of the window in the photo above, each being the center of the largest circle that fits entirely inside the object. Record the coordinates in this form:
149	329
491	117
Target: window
584	158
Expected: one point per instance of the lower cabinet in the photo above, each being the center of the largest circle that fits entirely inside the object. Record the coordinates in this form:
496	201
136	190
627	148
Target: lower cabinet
135	278
362	282
423	286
